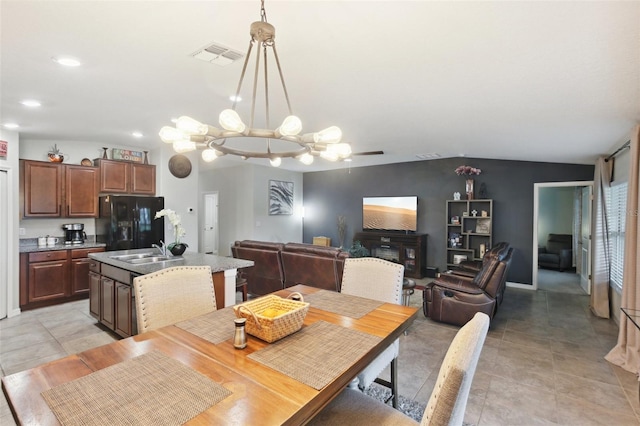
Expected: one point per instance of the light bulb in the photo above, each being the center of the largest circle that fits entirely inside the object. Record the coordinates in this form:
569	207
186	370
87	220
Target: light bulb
276	161
171	134
184	146
190	126
329	155
306	159
331	134
209	155
230	120
290	126
342	149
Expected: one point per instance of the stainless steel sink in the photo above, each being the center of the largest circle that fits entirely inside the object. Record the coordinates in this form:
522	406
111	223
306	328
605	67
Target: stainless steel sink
152	259
143	258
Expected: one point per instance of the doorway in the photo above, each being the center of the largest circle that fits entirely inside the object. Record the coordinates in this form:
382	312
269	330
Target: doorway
563	208
210	235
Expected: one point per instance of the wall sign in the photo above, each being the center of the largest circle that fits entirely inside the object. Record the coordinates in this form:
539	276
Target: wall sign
127	155
3	149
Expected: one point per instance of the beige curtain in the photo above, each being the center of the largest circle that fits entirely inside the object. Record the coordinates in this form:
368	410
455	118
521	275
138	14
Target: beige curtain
626	354
600	256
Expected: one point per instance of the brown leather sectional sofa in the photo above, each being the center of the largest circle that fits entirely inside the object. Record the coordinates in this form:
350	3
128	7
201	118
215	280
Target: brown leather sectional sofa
280	265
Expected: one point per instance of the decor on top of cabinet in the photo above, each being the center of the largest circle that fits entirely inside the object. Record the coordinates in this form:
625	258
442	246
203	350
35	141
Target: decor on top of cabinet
468	171
358	250
176	248
342	229
55	156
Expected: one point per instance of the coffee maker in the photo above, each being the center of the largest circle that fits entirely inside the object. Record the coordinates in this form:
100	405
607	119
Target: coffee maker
74	233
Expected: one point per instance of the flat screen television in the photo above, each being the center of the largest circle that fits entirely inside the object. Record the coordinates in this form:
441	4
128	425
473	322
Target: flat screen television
390	213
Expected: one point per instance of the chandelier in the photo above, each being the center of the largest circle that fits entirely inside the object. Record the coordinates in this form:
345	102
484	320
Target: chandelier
190	134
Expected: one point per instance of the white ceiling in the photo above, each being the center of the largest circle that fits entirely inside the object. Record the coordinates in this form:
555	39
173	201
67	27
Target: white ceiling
537	81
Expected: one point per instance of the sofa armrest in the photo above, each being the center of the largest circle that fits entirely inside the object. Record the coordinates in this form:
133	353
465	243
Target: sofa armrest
542	250
456	285
566	258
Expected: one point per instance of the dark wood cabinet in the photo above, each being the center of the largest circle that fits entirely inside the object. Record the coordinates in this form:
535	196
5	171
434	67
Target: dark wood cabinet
52	277
94	295
107	302
111	301
410	250
124	318
57	190
125	177
40	189
81	191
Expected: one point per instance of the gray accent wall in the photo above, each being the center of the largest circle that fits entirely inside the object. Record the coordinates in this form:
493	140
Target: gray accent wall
509	183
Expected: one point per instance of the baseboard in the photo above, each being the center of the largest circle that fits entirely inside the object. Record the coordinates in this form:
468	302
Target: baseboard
14	313
521	286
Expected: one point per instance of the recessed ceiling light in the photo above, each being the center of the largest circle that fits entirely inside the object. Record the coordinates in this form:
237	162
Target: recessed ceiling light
234	98
137	134
67	61
10	126
31	103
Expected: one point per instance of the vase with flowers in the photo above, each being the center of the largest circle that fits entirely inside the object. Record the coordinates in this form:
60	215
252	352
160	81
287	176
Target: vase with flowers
176	247
468	171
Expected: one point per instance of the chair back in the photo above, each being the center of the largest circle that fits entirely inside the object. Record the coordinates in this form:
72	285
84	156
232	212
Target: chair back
173	295
373	278
448	400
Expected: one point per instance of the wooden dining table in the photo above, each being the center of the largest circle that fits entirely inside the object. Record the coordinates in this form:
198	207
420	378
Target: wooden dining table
258	394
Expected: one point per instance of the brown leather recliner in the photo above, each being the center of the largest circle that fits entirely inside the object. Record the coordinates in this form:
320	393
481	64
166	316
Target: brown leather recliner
469	268
267	273
455	299
311	265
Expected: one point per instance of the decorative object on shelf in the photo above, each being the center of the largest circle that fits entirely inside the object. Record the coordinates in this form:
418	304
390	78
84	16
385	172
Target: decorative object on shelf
474	213
456	196
458	258
180	166
104	153
454	240
455	220
86	162
342	229
484	213
483	191
483	226
465	214
468	171
126	155
280	198
176	247
189	134
146	157
55	156
482	250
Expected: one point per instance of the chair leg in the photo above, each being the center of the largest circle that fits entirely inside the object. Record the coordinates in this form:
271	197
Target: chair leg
393	384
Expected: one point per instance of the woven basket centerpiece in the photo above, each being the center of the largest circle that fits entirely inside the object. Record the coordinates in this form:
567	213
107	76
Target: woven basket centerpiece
271	317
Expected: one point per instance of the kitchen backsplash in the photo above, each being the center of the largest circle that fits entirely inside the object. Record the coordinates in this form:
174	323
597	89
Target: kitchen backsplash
34	228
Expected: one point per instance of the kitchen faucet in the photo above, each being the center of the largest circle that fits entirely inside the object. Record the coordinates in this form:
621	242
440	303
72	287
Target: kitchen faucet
162	247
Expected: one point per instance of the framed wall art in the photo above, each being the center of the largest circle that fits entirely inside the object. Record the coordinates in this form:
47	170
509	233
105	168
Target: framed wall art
280	197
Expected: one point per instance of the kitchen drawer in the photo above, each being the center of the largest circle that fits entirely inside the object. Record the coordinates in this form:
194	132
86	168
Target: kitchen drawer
80	253
94	266
45	256
116	273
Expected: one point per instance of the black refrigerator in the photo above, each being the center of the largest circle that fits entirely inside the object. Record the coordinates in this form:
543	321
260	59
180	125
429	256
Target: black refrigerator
127	222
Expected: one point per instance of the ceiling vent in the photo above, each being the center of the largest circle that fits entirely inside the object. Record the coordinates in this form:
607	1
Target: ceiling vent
218	54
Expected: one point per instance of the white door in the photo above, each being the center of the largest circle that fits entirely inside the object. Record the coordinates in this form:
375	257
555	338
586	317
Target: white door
4	253
585	252
210	231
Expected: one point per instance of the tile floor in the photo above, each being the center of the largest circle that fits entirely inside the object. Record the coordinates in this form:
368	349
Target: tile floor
542	362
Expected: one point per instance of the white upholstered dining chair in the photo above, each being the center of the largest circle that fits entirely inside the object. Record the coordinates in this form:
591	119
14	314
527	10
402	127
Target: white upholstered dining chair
173	295
448	400
381	280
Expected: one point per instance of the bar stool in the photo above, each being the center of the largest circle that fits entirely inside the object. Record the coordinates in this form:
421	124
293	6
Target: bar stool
408	288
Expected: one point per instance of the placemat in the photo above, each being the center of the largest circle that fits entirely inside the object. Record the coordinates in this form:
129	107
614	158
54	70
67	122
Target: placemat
150	389
316	354
342	304
215	327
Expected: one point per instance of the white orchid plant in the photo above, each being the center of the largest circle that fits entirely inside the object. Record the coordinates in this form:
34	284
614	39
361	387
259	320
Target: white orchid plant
175	220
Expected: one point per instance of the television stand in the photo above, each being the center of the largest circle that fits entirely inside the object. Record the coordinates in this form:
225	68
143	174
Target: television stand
409	250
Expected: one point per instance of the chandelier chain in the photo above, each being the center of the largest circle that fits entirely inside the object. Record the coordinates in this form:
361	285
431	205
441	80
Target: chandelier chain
263	12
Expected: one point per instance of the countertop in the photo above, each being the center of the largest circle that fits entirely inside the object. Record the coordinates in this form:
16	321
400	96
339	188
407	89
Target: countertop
217	263
31	248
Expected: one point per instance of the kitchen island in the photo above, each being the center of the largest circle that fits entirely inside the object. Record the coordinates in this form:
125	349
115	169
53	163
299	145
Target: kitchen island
111	282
